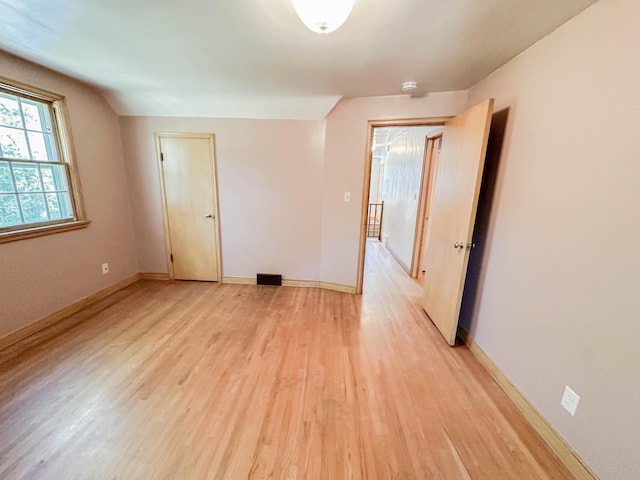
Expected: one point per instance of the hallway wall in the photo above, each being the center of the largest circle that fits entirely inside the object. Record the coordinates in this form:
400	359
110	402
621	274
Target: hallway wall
401	191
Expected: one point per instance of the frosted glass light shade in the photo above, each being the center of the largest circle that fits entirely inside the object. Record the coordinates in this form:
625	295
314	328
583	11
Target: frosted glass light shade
323	16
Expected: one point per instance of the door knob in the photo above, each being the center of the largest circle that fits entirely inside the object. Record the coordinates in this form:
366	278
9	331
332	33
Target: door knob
208	215
458	245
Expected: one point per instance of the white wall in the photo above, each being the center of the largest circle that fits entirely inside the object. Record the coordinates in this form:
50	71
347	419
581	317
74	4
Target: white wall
559	300
374	184
269	175
401	191
42	275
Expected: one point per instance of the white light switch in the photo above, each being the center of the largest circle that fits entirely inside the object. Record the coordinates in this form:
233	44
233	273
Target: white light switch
347	196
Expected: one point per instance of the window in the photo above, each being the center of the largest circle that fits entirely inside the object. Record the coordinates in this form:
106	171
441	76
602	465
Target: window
39	193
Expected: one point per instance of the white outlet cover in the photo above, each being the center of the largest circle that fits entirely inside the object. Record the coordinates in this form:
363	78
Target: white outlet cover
570	400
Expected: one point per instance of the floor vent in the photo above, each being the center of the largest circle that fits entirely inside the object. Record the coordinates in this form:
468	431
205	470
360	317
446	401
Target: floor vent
269	279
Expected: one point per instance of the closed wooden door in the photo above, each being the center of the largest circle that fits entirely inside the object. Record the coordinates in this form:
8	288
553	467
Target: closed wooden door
189	183
452	215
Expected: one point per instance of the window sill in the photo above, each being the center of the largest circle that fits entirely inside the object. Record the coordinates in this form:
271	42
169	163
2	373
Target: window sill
16	235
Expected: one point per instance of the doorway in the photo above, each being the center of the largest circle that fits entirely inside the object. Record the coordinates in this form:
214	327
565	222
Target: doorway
398	173
452	212
190	203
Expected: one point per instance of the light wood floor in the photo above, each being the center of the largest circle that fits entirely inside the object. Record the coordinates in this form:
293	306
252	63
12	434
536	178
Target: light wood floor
188	380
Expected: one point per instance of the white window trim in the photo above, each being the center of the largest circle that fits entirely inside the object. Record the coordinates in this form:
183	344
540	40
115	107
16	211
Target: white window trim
67	154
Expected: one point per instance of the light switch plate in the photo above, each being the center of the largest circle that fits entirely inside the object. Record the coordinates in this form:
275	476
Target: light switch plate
347	196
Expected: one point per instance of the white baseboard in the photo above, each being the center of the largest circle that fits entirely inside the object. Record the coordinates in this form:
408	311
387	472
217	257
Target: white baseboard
554	441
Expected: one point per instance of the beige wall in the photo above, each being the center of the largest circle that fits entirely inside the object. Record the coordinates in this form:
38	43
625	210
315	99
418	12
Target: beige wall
559	300
42	275
269	175
277	187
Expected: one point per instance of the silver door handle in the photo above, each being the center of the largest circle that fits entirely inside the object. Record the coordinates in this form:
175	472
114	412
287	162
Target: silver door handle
208	215
458	245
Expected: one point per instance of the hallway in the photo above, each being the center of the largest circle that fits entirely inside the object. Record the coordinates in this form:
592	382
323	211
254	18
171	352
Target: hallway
381	270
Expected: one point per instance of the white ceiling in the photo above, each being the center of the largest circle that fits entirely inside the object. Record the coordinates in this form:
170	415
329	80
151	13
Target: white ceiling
254	58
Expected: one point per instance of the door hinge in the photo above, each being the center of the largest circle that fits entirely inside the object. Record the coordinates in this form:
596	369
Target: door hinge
161	157
171	256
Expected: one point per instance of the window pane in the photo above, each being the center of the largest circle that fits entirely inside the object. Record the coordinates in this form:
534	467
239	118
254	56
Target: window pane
6	182
66	209
53	202
54	178
33	207
9	111
27	177
33	115
13	144
40	146
9	211
52	150
59	205
47	178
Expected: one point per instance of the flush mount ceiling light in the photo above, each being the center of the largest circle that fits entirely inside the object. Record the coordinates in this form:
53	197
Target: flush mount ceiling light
323	16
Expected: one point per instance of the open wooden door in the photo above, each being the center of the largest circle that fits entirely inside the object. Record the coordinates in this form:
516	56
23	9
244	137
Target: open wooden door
452	215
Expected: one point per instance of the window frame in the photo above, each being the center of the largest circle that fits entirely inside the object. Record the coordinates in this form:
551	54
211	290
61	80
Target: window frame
66	153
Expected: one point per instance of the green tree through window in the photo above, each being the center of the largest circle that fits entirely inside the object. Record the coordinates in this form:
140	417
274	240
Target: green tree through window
34	183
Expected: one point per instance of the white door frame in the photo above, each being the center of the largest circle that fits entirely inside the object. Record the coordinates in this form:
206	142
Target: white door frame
216	207
407	122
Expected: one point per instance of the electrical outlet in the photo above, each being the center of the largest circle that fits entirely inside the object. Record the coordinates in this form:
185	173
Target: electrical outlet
105	268
347	196
570	400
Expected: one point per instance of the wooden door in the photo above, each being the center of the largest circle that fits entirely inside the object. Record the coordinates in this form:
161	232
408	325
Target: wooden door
189	184
452	215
